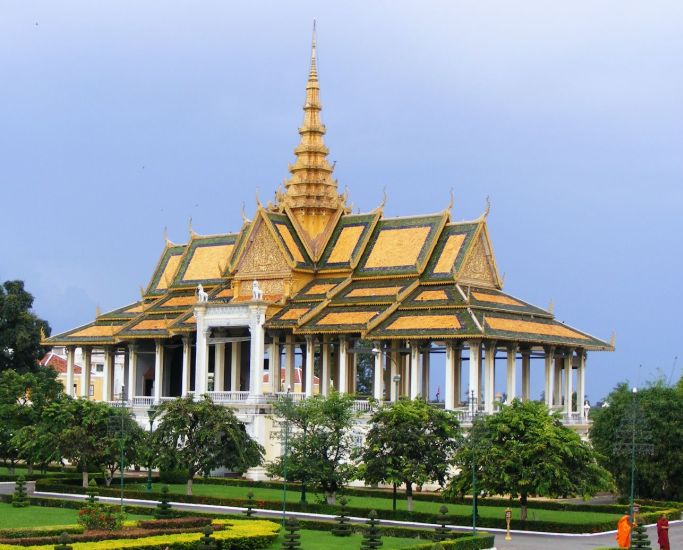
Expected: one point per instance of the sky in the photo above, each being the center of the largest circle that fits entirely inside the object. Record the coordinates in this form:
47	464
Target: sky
120	119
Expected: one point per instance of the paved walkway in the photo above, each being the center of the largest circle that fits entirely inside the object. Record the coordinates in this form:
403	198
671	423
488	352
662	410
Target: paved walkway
520	540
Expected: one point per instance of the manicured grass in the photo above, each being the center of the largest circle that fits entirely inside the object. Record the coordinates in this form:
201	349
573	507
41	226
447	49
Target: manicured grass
323	540
383	503
37	516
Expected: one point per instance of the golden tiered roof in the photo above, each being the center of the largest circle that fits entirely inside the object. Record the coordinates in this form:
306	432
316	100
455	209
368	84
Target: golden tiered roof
326	271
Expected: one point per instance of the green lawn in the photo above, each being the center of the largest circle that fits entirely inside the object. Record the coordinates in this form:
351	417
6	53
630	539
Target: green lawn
383	503
37	516
323	540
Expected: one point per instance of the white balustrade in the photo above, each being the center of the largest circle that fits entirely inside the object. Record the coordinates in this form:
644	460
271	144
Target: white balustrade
143	401
361	406
228	396
294	396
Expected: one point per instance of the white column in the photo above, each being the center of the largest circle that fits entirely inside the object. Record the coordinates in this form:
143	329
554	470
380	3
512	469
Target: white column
257	316
126	373
511	386
187	365
235	366
219	367
108	367
549	374
290	359
489	377
275	375
581	381
325	366
377	386
201	367
85	372
132	370
568	383
449	397
310	365
526	374
70	352
394	370
343	365
557	386
415	369
475	362
158	370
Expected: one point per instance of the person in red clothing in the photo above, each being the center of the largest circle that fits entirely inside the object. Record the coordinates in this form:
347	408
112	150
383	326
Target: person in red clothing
663	533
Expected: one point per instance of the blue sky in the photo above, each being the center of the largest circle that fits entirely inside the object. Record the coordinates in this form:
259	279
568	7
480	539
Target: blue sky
118	119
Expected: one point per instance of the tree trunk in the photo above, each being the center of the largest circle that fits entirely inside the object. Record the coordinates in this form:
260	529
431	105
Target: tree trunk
108	479
409	497
29	469
331	497
85	478
188	490
523	503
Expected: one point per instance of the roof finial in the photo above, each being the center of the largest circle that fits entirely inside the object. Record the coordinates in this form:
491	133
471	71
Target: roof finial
314	68
450	204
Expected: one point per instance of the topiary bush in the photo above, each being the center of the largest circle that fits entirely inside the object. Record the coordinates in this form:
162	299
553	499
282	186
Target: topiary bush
63	542
639	538
163	509
292	537
343	527
250	505
442	532
372	537
20	498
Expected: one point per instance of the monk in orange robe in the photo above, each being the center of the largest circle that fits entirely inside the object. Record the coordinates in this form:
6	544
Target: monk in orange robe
663	533
624	532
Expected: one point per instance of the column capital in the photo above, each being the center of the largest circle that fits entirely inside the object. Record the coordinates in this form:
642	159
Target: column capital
187	339
513	347
549	350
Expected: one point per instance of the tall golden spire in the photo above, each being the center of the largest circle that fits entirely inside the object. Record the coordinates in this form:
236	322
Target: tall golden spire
311	192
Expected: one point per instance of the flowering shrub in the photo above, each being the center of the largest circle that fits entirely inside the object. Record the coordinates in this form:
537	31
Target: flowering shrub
94	516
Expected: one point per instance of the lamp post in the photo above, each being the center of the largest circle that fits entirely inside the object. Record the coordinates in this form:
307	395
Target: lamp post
474	411
288	397
121	442
151	414
633	455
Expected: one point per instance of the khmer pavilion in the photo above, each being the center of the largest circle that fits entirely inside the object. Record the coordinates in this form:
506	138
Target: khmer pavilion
291	300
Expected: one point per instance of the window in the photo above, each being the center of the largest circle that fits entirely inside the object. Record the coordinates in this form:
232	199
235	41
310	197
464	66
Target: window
91	390
99	367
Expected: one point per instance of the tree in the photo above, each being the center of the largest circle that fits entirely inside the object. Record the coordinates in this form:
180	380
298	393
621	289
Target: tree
529	452
134	438
78	430
22	400
411	443
659	475
20	329
320	445
199	436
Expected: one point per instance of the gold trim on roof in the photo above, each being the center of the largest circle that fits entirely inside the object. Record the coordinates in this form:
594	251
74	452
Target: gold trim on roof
431	295
97	330
206	262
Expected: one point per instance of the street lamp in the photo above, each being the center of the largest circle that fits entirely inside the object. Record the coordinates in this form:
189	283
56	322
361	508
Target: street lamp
288	397
151	414
633	456
473	444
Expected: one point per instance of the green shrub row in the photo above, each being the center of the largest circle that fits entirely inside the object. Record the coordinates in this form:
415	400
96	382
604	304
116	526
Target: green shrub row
477	542
386	530
422	517
46	531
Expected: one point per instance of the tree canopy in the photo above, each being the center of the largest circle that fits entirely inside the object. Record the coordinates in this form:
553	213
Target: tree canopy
20	329
199	436
659	472
525	451
320	441
409	442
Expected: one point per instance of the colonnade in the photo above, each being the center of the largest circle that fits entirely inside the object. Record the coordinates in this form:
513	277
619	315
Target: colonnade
401	368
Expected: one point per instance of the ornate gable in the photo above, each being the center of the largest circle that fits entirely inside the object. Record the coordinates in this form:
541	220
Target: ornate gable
262	257
479	266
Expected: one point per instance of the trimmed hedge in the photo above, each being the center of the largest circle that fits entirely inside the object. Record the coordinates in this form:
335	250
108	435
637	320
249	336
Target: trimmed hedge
47	531
404	515
476	542
245	535
174	523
